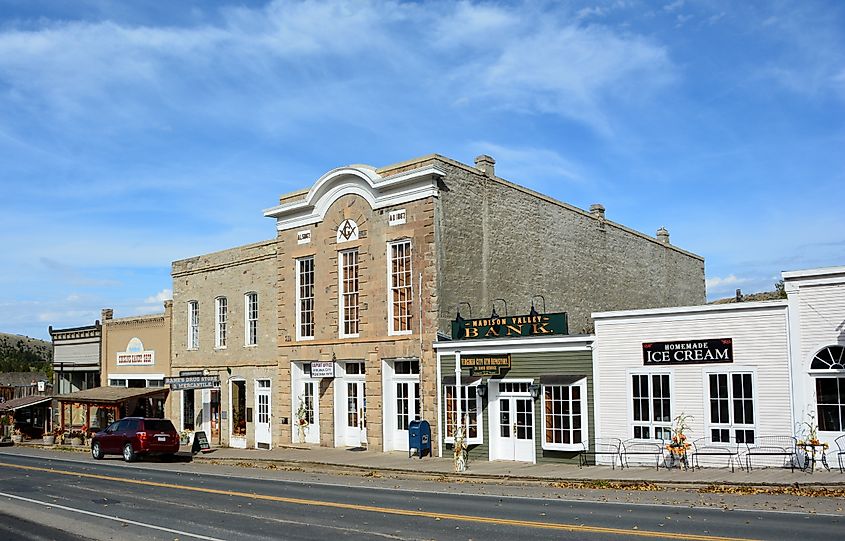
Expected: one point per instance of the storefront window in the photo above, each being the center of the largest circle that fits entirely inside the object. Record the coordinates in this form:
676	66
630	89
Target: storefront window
563	416
652	406
470	406
731	407
188	409
830	391
239	408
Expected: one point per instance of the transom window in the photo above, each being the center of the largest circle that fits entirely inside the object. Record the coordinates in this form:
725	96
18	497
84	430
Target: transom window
193	324
731	407
401	288
305	298
251	319
349	324
355	368
406	367
470	406
563	416
513	387
652	406
221	309
830	388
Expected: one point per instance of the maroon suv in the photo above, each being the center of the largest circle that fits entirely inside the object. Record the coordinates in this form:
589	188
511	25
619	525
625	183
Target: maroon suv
135	436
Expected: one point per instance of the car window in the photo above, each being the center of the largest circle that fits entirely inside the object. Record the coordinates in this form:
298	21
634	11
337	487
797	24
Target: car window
163	425
113	427
122	426
132	425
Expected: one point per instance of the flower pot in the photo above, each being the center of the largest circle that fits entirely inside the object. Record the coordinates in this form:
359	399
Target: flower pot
17	438
49	440
76	442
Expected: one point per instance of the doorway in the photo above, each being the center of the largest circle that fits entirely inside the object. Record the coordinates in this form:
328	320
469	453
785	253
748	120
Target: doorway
352	419
306	413
512	423
263	436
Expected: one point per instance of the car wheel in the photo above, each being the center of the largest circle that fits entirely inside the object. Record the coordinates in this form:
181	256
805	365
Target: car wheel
128	453
96	451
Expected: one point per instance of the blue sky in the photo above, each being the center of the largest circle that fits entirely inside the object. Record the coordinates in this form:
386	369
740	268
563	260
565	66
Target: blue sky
136	133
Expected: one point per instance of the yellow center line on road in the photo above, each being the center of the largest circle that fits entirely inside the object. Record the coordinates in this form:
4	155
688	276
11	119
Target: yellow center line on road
388	510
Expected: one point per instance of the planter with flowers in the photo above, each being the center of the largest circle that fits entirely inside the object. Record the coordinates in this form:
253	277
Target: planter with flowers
17	436
302	420
811	444
679	447
50	438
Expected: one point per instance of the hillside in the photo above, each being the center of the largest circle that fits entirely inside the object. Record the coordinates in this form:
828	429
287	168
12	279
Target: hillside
24	354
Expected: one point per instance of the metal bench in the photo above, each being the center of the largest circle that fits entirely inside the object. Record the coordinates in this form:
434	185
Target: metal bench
840	445
642	448
602	446
784	446
704	447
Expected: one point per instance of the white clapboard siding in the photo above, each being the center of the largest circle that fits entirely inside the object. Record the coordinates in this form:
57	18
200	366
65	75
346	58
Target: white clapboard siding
822	318
72	354
760	346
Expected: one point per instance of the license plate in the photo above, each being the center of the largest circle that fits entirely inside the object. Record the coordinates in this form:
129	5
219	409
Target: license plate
162	438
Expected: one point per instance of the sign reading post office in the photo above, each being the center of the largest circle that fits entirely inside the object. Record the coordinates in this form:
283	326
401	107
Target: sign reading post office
712	350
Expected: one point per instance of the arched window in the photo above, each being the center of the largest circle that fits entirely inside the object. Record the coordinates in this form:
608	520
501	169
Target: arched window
830	388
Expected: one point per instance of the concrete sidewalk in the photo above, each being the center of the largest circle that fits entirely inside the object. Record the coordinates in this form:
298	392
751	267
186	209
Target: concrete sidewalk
357	459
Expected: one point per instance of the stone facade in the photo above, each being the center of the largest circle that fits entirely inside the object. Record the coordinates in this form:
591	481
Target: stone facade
229	274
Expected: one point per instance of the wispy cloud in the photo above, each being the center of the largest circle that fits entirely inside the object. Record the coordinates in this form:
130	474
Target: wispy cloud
163	295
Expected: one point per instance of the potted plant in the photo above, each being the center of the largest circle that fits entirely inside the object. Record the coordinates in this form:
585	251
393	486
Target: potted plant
76	436
17	436
185	437
50	438
301	419
679	447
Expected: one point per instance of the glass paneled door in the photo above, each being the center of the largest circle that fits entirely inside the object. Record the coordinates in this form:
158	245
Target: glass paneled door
263	438
306	413
355	433
515	429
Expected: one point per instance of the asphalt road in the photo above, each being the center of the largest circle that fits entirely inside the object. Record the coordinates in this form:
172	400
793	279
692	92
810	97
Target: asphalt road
112	500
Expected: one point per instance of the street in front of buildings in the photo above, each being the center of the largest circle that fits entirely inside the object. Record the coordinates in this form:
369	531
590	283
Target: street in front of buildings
69	496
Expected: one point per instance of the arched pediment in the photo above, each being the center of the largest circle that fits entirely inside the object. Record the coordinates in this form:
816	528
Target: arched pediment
377	191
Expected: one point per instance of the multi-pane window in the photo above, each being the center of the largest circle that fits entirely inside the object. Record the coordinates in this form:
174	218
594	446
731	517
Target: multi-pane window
401	288
193	324
563	415
221	308
305	298
406	367
251	319
470	406
652	406
830	388
349	320
731	407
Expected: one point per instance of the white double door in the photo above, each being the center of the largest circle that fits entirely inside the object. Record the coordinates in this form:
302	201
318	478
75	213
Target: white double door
263	436
513	428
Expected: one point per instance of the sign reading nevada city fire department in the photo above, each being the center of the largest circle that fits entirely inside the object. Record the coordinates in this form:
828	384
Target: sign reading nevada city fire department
510	326
713	350
486	365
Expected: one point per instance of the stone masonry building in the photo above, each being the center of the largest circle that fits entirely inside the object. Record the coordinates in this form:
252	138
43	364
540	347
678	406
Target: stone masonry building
372	265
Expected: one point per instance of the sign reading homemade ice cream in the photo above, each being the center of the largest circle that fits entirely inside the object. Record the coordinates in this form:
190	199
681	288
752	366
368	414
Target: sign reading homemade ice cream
135	354
714	350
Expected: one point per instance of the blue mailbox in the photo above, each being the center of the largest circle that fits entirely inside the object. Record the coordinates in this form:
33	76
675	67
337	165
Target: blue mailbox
419	438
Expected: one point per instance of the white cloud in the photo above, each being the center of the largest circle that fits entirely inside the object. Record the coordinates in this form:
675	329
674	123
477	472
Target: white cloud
534	165
163	295
716	283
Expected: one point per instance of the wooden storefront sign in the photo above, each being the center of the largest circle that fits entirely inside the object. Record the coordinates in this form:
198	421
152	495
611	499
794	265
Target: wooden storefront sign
486	365
510	326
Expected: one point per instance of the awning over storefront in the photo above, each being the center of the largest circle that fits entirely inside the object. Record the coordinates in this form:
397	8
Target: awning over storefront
560	379
112	395
24	402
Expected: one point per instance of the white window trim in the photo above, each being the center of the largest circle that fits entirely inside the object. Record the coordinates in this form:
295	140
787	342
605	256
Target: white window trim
479	440
630	399
708	425
585	420
390	330
246	319
220	338
341	317
191	343
298	308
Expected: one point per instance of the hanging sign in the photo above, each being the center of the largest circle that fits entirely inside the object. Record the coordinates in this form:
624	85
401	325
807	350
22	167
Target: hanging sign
712	350
486	365
510	326
322	369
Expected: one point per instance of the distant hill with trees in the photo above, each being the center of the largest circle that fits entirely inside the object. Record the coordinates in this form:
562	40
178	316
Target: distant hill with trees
778	293
24	354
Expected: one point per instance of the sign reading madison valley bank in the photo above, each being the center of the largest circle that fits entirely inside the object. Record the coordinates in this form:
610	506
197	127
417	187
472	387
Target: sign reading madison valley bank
713	350
510	326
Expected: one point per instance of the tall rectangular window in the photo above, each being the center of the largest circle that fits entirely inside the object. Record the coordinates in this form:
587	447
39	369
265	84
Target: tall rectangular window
188	409
305	298
251	319
349	315
221	309
731	407
652	406
401	287
470	406
563	415
193	324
